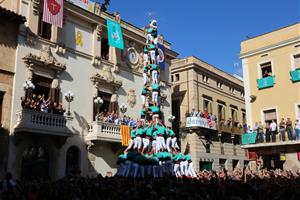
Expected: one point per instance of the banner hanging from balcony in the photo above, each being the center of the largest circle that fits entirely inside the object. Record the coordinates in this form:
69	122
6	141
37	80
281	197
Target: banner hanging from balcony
53	12
125	135
85	4
114	31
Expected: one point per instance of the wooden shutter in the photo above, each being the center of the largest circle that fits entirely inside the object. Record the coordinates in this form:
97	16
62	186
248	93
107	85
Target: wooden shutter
297	61
270	115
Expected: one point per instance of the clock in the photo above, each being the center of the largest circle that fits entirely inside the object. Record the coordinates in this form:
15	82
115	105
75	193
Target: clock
132	56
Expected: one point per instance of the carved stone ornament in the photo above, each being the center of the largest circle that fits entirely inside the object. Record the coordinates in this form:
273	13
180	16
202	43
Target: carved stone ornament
44	59
96	61
31	38
131	98
105	77
117	17
60	49
99	31
132	58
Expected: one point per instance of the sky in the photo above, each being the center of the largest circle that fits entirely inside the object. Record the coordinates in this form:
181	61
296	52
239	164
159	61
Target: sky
211	30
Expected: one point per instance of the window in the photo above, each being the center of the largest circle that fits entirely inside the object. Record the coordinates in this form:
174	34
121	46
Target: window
104	49
234	115
1	106
270	115
172	78
221	112
219	85
222	163
244	118
235	163
107	105
44	29
297	61
266	69
231	90
177	77
242	94
205	79
207	105
298	111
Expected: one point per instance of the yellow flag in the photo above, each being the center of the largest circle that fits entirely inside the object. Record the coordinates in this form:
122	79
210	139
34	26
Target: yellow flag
125	135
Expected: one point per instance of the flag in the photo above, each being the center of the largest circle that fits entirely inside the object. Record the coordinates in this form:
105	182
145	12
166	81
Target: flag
53	12
114	31
162	56
252	155
125	135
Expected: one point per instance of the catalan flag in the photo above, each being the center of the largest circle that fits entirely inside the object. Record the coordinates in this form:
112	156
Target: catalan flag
125	135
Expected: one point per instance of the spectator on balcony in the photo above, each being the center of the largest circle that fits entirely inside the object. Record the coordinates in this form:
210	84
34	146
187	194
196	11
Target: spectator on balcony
193	113
205	113
268	132
45	104
273	127
297	129
289	129
260	133
282	128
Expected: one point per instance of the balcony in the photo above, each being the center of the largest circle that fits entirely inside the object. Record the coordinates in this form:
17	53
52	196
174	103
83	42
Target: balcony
295	75
104	132
195	122
266	82
229	128
42	123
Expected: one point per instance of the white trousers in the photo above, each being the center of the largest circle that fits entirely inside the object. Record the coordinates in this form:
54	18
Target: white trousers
153	57
155	76
131	143
160	143
168	144
191	171
143	97
176	170
137	142
183	167
149	39
146	143
146	58
155	41
174	143
154	146
155	97
145	77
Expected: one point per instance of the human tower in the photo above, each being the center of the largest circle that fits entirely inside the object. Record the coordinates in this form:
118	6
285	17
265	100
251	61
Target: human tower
153	150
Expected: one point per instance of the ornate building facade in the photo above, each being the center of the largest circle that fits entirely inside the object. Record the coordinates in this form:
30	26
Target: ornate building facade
209	109
76	58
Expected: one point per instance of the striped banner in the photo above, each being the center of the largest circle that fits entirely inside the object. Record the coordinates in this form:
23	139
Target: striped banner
125	135
53	12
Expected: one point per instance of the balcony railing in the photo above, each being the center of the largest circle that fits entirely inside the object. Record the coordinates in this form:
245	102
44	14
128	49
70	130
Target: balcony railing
295	75
199	122
229	128
104	131
43	123
265	82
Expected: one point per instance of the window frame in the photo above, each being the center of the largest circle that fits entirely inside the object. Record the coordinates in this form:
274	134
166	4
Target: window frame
2	94
297	53
259	71
205	79
263	110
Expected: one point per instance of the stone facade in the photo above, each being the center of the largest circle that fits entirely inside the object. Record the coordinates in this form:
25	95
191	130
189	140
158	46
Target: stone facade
8	43
198	85
85	69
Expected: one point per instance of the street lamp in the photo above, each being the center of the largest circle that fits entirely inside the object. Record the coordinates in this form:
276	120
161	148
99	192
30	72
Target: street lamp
28	87
171	118
99	102
69	96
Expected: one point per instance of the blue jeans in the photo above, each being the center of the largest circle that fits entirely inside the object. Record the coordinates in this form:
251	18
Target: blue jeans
297	131
290	134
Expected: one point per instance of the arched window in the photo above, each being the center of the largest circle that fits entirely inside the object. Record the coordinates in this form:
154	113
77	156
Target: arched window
73	161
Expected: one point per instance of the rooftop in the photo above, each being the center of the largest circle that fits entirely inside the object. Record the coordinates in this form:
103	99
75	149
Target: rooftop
11	16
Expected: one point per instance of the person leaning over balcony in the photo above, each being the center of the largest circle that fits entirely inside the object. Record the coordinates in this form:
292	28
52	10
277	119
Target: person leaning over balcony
268	132
260	133
282	130
297	129
289	129
273	127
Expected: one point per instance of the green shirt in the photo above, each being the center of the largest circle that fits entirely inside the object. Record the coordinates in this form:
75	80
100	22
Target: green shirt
140	131
149	131
146	68
152	47
131	155
132	134
154	67
154	109
171	132
144	91
188	157
160	130
178	157
143	112
155	87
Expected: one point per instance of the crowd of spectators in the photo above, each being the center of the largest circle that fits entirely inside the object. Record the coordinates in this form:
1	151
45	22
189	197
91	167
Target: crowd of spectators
113	117
40	103
232	185
285	129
